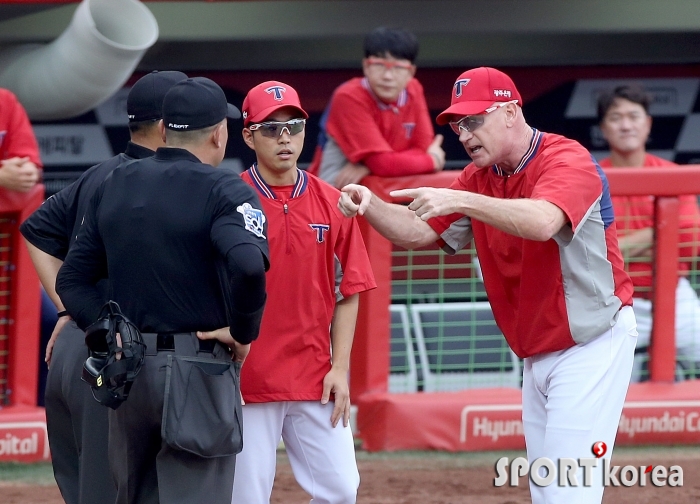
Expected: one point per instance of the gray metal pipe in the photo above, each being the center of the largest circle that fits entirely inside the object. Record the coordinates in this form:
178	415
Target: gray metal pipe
85	65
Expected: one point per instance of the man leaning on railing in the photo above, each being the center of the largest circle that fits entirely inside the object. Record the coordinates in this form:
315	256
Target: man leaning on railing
625	122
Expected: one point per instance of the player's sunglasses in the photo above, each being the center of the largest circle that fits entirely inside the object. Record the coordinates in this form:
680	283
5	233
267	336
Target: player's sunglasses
274	129
473	122
385	64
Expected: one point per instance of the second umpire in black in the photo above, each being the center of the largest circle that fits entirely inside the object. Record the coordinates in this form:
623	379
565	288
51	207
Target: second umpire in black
184	248
76	423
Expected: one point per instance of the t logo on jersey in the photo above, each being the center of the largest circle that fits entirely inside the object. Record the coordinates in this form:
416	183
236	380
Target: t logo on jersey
321	230
459	85
409	127
253	219
278	91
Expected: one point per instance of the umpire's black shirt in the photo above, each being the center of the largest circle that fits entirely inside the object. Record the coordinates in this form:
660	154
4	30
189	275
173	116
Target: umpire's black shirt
53	227
164	230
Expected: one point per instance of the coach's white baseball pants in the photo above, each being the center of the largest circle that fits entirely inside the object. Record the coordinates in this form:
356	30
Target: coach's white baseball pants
322	457
574	398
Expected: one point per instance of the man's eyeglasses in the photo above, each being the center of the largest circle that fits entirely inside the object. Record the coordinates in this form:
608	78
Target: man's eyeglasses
470	123
381	64
274	129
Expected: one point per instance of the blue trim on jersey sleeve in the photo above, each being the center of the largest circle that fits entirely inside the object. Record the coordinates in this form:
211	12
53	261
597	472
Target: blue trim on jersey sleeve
322	135
606	207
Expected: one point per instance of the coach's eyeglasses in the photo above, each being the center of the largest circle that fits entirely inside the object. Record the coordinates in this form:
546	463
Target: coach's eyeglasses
274	129
470	123
382	64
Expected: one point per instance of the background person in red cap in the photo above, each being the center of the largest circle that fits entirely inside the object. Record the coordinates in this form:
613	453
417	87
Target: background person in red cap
538	208
296	387
379	124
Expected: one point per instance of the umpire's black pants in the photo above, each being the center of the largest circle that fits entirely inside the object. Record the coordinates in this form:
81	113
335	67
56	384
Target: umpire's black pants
77	425
145	468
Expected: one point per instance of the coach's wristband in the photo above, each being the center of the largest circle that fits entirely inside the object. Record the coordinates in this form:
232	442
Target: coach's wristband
63	313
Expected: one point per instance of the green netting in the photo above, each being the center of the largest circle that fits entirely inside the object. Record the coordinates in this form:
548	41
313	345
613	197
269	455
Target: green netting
688	352
638	255
444	337
431	276
443	333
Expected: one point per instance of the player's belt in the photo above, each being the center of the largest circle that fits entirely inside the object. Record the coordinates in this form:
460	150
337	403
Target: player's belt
168	342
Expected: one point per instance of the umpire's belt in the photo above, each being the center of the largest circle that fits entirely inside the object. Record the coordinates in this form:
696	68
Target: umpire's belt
180	343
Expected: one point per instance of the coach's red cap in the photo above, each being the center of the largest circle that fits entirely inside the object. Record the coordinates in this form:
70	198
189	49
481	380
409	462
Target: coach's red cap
476	90
265	98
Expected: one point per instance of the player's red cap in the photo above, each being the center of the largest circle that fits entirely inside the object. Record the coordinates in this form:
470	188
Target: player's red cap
476	90
265	98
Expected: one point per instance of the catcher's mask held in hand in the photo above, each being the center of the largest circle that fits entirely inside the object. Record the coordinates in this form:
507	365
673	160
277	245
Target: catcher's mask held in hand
111	377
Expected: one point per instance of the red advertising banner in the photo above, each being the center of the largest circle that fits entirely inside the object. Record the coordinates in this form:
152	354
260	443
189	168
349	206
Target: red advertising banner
490	427
647	422
23	436
491	419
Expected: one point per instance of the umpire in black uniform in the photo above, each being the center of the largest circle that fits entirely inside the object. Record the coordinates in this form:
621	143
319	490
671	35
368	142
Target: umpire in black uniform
183	246
77	424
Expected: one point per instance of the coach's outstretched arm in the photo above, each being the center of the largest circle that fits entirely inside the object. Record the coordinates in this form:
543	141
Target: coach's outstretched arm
396	223
532	219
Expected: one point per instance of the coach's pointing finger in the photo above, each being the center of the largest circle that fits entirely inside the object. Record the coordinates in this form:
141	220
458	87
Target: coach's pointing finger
406	193
429	202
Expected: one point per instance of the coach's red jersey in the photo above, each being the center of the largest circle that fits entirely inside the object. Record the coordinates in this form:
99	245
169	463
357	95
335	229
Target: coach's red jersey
16	134
317	256
362	125
547	296
633	213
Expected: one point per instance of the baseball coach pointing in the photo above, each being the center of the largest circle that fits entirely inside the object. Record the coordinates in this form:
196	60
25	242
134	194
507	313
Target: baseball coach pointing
184	248
538	208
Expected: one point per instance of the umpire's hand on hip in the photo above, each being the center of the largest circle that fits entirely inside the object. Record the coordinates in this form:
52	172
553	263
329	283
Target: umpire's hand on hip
239	351
62	321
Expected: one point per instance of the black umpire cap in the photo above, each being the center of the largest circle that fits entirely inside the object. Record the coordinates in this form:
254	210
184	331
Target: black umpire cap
196	103
145	99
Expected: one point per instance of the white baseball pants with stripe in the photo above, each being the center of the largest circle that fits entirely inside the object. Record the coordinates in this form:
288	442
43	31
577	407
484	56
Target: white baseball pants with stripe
572	399
322	457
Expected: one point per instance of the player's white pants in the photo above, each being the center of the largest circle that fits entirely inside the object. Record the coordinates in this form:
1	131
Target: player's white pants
687	323
322	457
573	398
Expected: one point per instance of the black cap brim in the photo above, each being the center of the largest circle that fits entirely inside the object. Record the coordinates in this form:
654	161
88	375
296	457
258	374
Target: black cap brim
233	112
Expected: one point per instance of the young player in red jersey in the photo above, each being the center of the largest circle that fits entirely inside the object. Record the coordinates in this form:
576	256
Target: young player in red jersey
296	386
379	124
625	122
538	208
